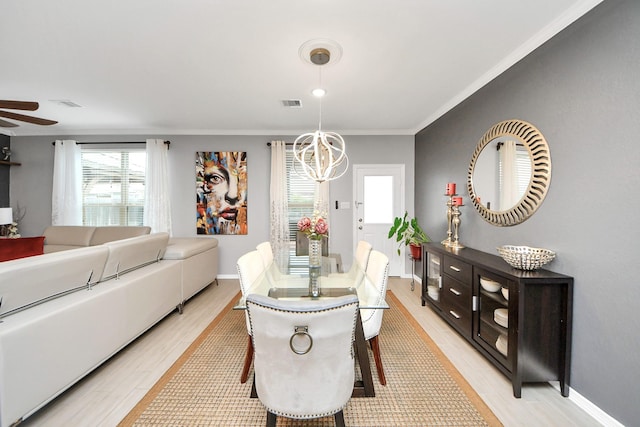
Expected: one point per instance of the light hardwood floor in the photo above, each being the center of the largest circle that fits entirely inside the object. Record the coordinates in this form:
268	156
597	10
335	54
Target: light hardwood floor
106	396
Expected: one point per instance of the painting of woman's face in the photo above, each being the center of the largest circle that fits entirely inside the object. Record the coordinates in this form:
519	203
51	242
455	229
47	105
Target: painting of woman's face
221	192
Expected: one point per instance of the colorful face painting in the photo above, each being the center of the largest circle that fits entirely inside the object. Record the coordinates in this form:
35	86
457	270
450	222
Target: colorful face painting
221	192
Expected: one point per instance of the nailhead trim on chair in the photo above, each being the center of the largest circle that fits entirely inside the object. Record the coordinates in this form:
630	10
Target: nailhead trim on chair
323	414
306	417
355	319
380	294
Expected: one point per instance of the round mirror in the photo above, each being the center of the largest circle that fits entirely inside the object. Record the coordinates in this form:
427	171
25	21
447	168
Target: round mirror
510	172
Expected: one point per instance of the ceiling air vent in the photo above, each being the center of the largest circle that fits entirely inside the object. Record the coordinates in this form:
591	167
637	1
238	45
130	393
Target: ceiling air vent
292	103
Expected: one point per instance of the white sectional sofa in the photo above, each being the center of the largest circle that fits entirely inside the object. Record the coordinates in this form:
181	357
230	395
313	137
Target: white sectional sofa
64	237
66	312
198	259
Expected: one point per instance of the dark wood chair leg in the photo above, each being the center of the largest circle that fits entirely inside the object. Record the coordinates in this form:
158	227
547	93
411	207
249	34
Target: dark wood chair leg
376	356
248	358
271	419
339	419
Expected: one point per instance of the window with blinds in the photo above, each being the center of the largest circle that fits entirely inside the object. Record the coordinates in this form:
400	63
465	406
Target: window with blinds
523	166
301	194
113	186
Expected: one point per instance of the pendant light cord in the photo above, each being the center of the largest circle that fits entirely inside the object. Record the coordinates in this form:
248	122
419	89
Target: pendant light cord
320	106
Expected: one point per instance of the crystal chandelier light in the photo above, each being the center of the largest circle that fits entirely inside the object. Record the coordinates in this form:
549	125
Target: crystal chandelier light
320	155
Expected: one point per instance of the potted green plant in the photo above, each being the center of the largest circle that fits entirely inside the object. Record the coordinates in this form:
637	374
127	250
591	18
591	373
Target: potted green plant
407	231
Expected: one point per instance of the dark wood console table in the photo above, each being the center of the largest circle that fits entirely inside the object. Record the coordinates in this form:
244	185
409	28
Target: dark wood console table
525	330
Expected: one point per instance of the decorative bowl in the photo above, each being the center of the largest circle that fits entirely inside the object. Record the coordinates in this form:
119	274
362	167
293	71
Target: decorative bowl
502	344
505	293
501	317
524	257
490	285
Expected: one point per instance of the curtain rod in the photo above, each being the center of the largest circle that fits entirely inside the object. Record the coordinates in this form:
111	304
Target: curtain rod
500	144
113	142
289	144
286	143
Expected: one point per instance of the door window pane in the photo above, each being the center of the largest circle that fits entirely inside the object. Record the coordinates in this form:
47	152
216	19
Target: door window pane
378	199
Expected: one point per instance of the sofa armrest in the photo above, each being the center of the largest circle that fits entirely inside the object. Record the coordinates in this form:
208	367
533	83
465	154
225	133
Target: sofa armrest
186	247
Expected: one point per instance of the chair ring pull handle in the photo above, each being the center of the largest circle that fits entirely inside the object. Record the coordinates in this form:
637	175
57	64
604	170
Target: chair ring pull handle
301	331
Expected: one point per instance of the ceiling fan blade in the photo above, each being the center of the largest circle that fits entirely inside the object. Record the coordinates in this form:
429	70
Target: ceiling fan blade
19	105
6	124
28	119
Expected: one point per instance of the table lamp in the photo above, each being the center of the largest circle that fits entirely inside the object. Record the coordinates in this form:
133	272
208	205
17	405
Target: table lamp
6	218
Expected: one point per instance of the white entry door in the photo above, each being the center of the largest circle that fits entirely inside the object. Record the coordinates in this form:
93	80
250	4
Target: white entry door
379	198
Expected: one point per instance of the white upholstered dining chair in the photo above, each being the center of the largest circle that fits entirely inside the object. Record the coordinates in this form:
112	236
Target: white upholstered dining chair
376	276
359	265
266	252
304	361
250	268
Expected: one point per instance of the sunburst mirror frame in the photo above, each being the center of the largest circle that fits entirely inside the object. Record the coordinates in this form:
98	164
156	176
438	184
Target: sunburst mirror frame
540	156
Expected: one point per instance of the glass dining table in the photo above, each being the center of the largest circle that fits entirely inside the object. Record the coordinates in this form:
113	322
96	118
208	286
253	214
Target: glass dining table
274	284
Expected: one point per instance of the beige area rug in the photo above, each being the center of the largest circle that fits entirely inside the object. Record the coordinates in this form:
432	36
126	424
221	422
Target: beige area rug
423	388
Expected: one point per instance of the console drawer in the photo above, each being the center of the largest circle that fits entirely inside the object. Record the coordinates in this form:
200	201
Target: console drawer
455	302
457	293
458	269
457	316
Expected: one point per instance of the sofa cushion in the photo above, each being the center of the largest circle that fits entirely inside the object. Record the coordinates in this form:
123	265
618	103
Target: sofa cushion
21	247
116	232
186	247
62	237
129	254
28	281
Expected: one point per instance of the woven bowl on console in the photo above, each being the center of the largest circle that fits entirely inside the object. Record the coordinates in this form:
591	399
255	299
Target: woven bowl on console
524	257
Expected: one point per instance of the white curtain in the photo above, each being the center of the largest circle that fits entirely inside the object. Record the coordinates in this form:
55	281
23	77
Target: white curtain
66	195
279	206
509	188
157	206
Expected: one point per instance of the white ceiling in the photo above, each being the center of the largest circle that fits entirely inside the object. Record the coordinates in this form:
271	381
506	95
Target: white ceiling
223	67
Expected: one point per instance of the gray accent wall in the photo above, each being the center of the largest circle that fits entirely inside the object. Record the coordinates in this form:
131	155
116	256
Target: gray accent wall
582	91
31	184
4	175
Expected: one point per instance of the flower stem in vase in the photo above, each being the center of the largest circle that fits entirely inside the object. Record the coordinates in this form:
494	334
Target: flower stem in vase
315	253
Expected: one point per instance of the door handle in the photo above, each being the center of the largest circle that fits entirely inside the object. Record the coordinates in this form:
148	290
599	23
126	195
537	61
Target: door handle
360	228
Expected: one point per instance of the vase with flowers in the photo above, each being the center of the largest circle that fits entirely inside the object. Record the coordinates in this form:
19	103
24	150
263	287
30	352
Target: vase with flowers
315	228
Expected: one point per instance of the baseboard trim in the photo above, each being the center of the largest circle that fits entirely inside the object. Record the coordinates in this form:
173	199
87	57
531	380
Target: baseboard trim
590	408
227	276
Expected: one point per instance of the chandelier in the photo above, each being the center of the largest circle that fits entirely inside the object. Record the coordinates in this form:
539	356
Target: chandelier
320	155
